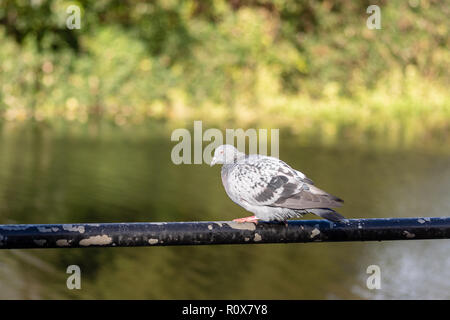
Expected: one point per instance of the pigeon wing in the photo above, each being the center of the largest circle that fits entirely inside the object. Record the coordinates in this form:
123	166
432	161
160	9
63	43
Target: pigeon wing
267	181
308	198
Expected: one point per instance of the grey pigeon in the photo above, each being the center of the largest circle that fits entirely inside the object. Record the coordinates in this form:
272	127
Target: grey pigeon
271	189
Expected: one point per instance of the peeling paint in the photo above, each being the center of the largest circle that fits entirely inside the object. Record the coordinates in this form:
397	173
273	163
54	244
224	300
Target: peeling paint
96	240
409	235
153	241
44	229
257	237
40	242
62	243
70	227
14	227
315	232
246	239
423	220
210	226
242	225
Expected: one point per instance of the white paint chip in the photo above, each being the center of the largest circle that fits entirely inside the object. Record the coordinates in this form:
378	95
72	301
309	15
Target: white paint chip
242	225
257	237
69	227
40	242
315	232
409	235
153	241
62	243
96	241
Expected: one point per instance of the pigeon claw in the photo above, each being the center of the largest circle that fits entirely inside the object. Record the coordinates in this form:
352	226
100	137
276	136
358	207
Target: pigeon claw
253	219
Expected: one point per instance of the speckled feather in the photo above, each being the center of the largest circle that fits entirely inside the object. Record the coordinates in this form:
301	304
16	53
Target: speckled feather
272	190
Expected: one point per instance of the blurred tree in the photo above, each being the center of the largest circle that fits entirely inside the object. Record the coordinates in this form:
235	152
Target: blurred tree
134	59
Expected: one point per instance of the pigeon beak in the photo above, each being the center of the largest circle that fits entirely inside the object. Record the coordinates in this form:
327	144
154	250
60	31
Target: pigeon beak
213	161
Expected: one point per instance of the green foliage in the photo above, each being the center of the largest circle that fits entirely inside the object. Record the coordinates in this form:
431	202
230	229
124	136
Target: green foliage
308	64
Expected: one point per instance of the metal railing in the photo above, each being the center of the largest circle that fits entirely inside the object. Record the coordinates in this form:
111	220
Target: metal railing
13	236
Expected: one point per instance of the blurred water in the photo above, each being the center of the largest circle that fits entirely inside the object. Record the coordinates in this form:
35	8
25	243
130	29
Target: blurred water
122	176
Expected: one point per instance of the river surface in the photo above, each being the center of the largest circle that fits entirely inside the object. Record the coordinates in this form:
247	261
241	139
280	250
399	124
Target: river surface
80	176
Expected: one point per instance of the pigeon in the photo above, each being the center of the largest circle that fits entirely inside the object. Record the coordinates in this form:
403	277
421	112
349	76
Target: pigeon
270	188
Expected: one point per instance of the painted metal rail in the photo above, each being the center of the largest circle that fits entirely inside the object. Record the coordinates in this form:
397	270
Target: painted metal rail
218	232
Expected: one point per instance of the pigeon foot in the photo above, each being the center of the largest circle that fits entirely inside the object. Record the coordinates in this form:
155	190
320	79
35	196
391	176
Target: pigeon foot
253	219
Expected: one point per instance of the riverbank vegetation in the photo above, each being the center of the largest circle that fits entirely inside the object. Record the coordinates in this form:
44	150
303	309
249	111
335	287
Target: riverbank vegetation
312	67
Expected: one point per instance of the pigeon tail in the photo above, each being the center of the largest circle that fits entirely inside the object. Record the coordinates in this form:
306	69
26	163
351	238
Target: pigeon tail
328	214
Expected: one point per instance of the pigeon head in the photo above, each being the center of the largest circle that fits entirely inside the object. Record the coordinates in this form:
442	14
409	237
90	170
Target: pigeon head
226	154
